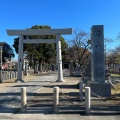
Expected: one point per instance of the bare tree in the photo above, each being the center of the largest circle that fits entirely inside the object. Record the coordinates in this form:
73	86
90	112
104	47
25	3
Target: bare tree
79	49
113	58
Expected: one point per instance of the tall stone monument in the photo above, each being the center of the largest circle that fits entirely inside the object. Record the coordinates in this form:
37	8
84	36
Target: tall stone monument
97	84
98	66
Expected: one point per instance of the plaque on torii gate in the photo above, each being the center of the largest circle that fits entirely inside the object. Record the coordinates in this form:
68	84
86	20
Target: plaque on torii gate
29	32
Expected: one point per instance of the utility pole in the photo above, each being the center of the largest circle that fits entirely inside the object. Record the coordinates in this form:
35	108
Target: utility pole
1	64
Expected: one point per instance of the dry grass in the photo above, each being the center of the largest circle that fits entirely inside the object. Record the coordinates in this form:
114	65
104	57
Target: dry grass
115	75
117	90
115	98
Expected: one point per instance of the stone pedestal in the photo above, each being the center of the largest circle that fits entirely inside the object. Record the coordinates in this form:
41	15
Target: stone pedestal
100	89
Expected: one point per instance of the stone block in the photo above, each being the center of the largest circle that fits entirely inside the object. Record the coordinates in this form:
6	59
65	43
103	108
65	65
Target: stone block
100	89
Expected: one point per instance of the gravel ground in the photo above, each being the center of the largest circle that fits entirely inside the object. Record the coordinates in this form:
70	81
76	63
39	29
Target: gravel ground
69	98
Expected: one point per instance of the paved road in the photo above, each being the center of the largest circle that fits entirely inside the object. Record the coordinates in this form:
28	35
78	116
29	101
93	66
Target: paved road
10	99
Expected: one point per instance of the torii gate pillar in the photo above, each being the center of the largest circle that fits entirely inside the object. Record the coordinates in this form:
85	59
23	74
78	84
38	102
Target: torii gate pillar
59	59
20	60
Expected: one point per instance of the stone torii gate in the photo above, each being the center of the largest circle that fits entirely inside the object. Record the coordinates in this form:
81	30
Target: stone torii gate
30	32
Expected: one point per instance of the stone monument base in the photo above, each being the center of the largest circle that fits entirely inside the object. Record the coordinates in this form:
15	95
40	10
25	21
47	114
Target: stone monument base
100	89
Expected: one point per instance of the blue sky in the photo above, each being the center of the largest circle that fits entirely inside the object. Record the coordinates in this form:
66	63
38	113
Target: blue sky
82	14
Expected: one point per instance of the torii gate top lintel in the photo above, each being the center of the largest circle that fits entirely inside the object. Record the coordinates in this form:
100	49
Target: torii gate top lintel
40	32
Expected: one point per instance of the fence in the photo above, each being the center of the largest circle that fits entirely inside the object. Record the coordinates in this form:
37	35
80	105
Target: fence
7	75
